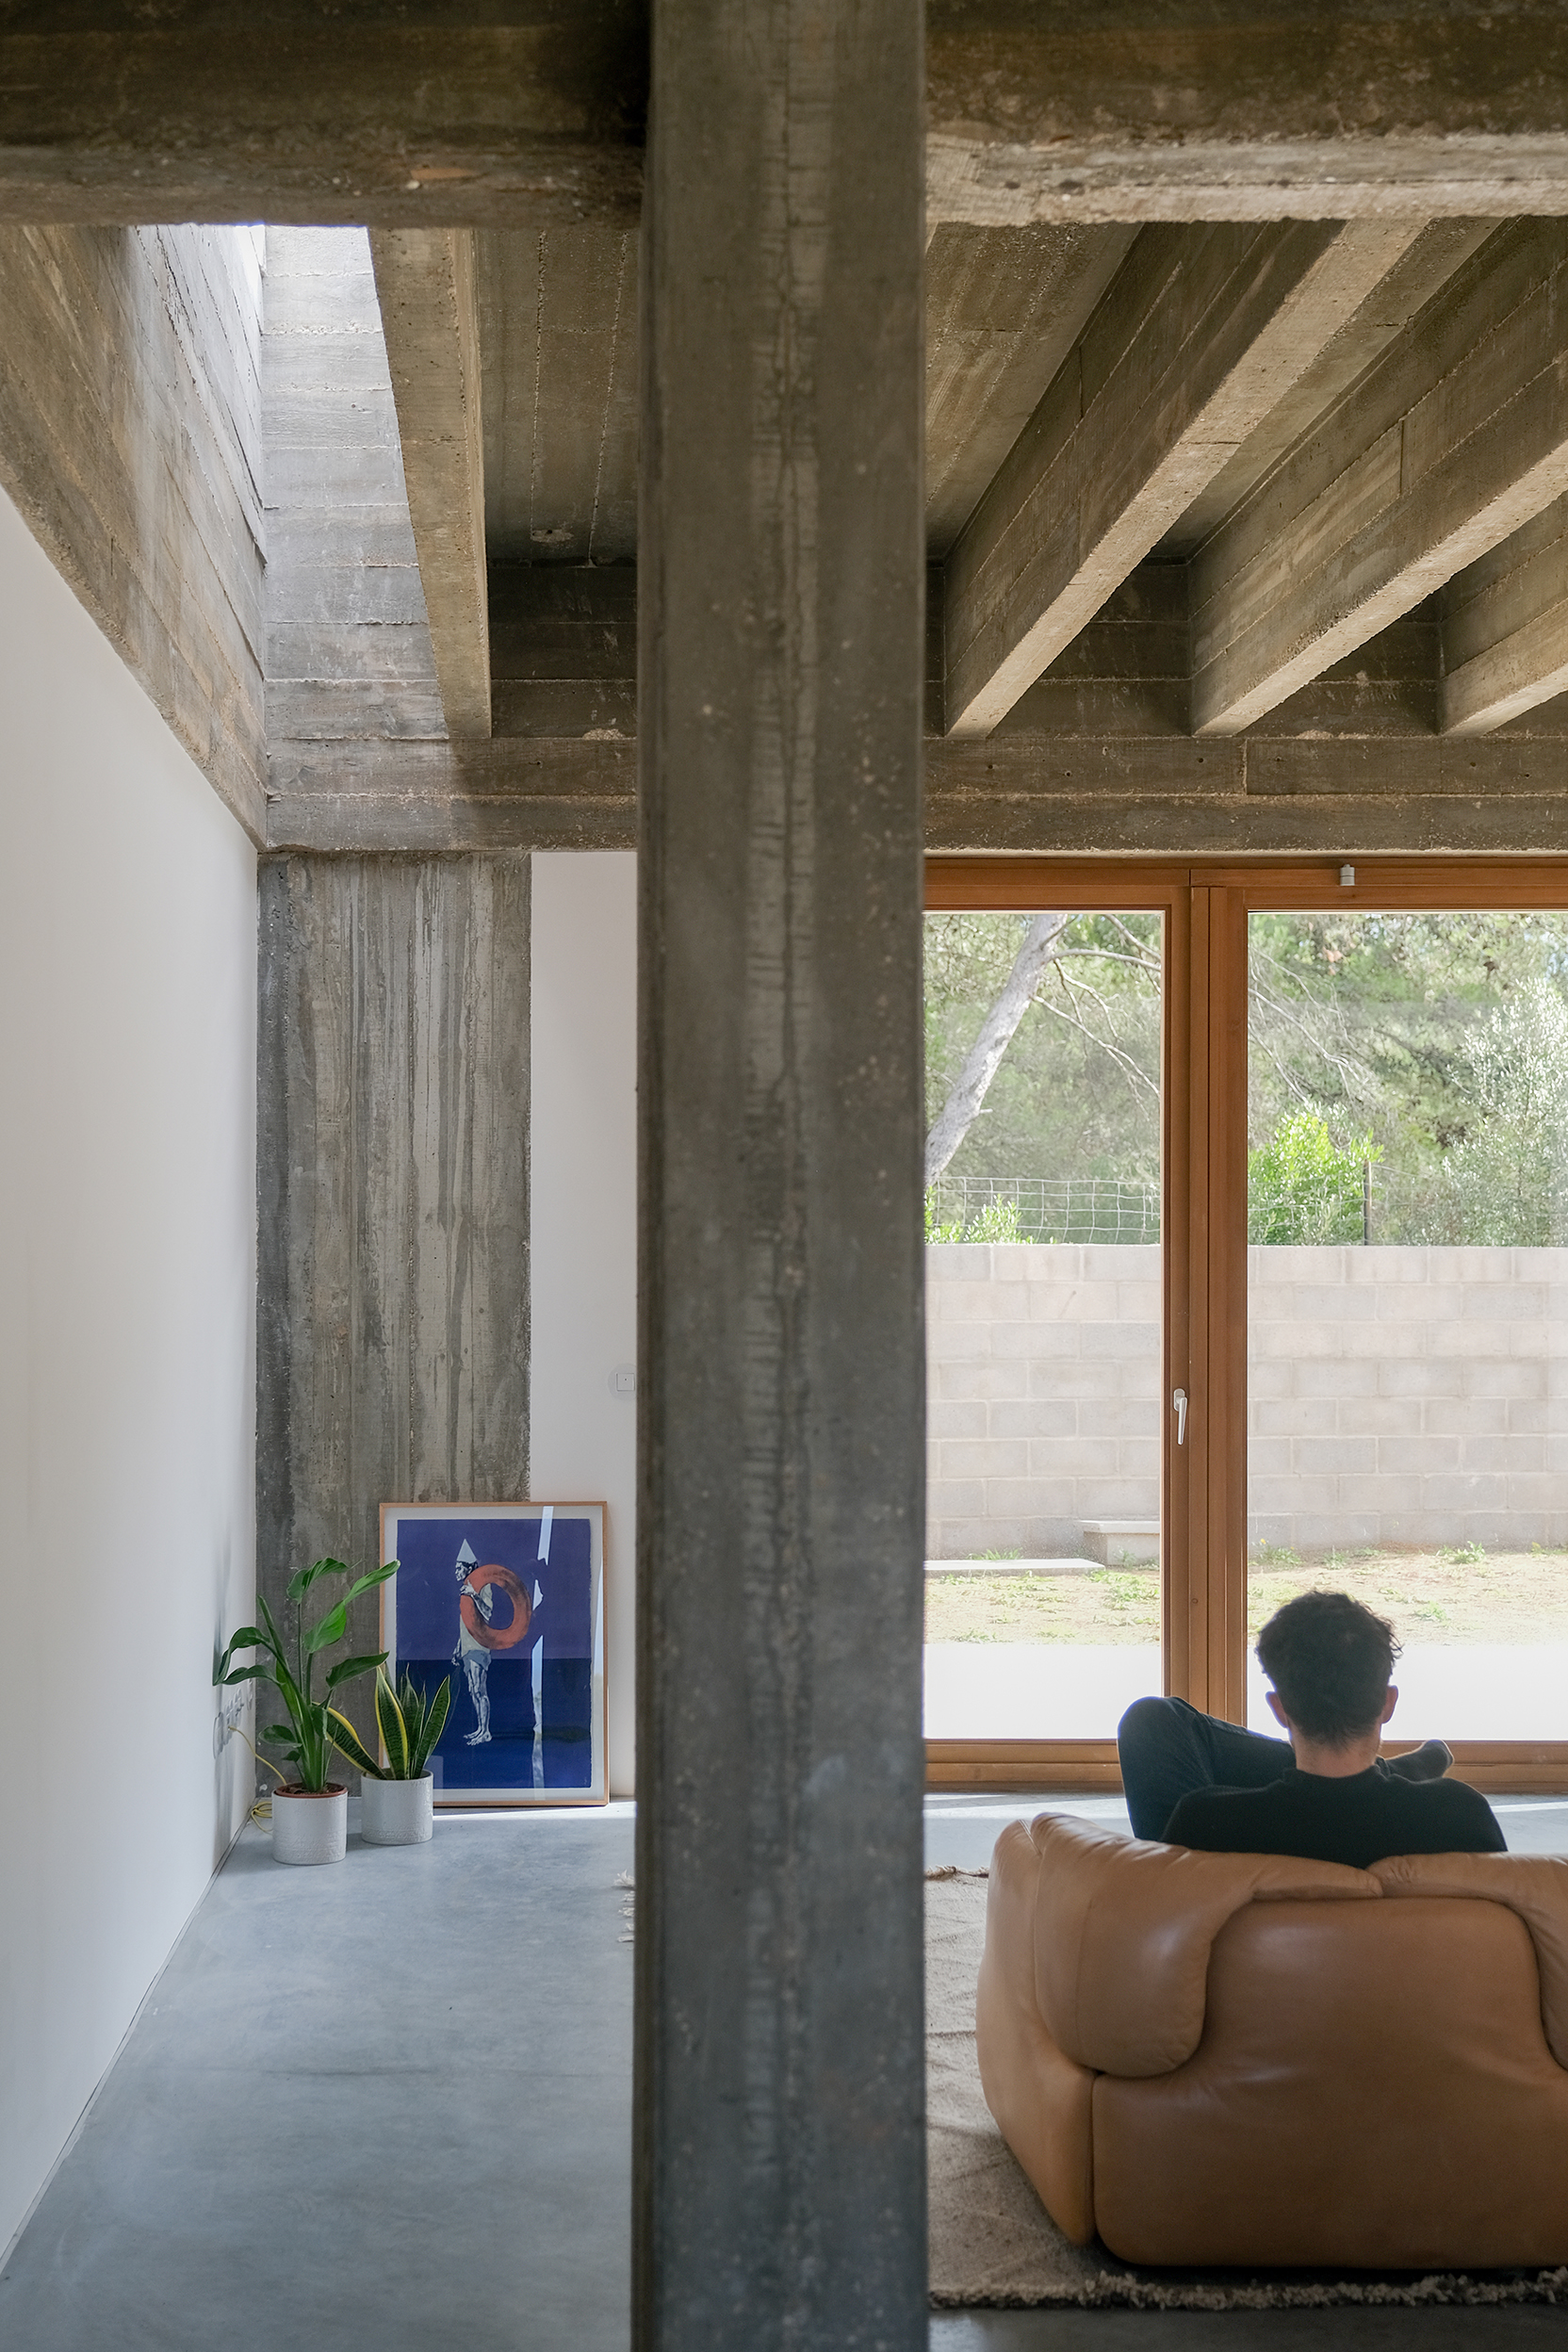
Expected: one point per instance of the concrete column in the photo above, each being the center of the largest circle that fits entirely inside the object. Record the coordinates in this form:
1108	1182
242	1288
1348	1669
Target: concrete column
779	2163
392	1180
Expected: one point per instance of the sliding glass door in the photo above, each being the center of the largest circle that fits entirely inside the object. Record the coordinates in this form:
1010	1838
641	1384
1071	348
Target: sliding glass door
1408	1296
1044	1301
1248	1271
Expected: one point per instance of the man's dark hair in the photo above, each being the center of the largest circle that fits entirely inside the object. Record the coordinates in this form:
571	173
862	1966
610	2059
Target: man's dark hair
1329	1659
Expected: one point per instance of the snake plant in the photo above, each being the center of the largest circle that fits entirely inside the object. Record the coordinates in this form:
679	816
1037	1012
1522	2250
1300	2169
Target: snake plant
410	1725
314	1727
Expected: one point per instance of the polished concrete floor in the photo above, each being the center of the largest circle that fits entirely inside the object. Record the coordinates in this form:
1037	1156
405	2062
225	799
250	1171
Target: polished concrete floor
387	2106
381	2107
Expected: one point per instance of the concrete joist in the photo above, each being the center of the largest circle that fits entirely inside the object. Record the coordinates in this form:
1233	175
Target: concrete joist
425	285
1456	437
1505	628
1201	334
1003	308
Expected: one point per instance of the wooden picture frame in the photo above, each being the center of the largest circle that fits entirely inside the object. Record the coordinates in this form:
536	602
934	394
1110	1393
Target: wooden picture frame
507	1601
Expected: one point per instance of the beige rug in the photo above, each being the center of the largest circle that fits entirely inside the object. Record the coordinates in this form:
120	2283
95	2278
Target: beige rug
993	2241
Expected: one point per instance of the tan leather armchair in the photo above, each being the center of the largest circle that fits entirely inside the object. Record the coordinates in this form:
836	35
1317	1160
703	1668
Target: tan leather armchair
1215	2058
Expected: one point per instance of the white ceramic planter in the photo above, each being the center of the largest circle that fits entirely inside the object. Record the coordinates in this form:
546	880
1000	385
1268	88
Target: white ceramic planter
310	1828
397	1812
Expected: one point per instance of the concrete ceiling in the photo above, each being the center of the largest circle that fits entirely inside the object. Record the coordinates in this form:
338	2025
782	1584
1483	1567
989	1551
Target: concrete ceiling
1248	434
1320	425
1247	440
558	342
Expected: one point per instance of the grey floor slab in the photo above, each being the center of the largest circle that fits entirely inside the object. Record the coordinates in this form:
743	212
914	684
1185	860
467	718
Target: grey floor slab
379	2105
387	2106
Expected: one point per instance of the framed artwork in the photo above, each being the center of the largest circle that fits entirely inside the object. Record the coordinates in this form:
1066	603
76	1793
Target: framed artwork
506	1600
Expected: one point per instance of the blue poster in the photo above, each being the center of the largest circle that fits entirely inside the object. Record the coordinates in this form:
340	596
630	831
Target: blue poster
505	1602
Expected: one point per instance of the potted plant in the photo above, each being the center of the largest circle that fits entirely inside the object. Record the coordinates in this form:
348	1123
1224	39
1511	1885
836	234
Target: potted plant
397	1798
310	1813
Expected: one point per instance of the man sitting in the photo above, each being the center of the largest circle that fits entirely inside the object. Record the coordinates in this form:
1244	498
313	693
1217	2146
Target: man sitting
1327	1796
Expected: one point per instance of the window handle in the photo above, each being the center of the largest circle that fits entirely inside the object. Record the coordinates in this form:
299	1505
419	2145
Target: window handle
1180	1402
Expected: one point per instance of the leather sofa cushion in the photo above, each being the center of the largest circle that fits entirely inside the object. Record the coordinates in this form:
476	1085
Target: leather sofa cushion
1124	1929
1535	1887
1040	2100
1373	2088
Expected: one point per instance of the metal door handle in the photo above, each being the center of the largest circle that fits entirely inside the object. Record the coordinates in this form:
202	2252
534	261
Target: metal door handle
1180	1402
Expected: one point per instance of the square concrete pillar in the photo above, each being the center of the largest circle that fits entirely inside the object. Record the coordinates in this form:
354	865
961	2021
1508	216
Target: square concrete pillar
779	2159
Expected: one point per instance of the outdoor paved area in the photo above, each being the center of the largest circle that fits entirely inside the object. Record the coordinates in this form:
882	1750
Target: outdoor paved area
386	2106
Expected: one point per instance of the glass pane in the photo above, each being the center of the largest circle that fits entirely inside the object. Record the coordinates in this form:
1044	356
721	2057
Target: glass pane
1042	1591
1407	1300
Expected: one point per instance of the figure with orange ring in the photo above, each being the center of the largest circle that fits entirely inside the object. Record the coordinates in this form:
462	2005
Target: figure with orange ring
478	1636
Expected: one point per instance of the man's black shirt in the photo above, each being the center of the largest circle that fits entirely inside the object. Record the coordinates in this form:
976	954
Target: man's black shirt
1358	1819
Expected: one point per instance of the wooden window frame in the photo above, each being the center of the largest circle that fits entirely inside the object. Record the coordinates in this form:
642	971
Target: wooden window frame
1205	905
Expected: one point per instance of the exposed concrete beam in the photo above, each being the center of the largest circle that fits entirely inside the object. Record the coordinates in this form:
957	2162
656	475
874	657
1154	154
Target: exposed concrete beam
1456	437
1505	628
1110	792
1247	826
1003	308
418	796
1434	257
1201	334
430	316
131	441
286	111
216	111
349	652
564	649
1114	110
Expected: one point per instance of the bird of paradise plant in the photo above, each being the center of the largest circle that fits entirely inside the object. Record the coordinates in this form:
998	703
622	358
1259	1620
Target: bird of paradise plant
314	1727
411	1722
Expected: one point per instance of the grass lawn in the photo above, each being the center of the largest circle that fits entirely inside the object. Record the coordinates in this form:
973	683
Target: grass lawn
1447	1596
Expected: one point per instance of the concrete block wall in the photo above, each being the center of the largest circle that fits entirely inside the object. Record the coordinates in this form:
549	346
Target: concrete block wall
1043	1404
1395	1396
1408	1396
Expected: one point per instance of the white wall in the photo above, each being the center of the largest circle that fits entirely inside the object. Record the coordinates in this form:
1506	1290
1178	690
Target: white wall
128	1221
583	1160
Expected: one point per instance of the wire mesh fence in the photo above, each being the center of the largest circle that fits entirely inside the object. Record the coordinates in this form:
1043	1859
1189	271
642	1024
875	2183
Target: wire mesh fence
1041	1208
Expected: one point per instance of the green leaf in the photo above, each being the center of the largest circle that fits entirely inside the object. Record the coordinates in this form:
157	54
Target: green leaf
366	1583
299	1585
281	1732
275	1639
348	1741
248	1637
394	1731
440	1699
245	1673
347	1668
334	1625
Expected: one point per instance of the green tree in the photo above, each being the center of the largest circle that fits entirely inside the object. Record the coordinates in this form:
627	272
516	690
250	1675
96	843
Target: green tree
1302	1188
1077	1091
1443	1036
